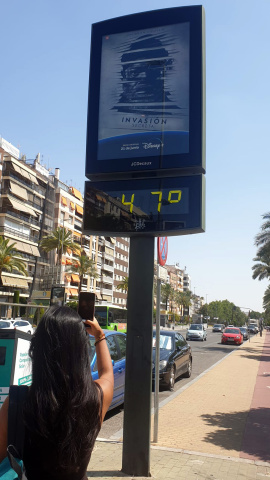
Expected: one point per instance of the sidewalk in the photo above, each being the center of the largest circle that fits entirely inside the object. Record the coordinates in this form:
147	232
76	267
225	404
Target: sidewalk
217	427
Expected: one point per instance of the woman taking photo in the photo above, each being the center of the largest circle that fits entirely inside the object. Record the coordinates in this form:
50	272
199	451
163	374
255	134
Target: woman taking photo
64	407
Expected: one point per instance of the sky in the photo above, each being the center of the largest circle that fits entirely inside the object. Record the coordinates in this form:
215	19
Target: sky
44	91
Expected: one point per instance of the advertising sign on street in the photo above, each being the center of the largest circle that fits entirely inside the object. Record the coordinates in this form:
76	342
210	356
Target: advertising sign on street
146	94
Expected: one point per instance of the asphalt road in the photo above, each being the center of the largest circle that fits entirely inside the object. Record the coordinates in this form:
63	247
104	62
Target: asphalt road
205	354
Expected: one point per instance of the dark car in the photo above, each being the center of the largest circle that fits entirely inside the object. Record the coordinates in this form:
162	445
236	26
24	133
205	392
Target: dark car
116	342
218	327
252	329
244	332
175	358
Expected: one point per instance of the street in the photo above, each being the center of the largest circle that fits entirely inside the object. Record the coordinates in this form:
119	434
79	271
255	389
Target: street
205	354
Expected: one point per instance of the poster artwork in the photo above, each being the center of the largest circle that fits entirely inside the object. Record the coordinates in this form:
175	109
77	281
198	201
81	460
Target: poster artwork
144	93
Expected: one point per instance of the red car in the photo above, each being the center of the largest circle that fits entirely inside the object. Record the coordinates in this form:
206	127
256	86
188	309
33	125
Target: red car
232	335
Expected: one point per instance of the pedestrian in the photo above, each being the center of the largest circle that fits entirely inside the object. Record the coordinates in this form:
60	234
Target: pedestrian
64	408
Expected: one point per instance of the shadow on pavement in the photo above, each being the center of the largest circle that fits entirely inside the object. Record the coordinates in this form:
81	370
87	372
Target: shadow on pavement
247	432
259	358
106	474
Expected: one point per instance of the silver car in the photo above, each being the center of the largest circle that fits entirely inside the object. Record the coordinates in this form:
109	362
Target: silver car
196	331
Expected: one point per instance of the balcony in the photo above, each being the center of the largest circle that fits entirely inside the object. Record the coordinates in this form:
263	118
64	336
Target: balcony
31	221
105	279
106	291
108	257
109	268
18	234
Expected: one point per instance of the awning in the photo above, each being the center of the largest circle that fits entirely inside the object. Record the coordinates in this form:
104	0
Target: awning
27	248
14	282
113	240
69	251
72	206
22	207
99	297
76	193
19	246
63	261
69	261
79	209
35	251
68	278
100	198
64	201
73	291
25	173
32	178
77	234
19	191
75	278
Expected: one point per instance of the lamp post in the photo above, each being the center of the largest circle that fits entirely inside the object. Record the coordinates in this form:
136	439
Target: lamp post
61	266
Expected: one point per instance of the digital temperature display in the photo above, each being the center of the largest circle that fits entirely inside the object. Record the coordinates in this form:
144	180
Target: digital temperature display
174	206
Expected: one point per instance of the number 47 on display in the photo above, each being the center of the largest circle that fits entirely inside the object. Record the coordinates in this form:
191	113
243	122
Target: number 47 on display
175	199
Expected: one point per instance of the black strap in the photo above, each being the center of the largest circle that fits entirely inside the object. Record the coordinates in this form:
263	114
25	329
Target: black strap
17	396
13	462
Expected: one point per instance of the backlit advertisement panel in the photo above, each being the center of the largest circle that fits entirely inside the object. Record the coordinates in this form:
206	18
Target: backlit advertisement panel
144	93
146	102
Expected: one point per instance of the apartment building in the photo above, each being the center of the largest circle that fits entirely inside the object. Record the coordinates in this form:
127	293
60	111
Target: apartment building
26	213
120	270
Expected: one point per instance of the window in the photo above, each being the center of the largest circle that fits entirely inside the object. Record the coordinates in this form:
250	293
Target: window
122	345
112	348
179	340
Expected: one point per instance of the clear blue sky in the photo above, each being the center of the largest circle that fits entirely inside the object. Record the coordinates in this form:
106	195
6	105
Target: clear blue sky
44	89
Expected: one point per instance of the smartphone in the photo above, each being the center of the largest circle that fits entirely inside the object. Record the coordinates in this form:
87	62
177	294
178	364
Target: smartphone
86	307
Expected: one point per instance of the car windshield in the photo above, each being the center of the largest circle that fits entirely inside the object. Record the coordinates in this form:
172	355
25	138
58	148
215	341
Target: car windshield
195	327
243	329
217	325
232	330
4	324
165	342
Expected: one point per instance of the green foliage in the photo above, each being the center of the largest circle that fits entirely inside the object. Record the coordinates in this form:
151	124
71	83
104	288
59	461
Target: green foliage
60	240
226	312
10	259
83	265
123	285
39	312
16	296
73	304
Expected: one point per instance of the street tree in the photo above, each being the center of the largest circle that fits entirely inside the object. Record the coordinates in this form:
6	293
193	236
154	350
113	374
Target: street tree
83	265
167	293
123	285
10	258
60	239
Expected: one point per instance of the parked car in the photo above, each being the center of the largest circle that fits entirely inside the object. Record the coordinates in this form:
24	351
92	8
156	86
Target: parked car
244	332
6	324
23	325
175	358
116	342
252	329
218	327
232	335
196	331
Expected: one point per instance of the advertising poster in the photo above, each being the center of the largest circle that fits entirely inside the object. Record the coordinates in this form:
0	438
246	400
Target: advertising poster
144	93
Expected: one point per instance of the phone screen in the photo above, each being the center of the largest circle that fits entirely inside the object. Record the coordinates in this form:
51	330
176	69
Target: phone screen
86	308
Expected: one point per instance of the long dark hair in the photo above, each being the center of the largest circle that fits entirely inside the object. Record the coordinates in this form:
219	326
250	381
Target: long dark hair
64	404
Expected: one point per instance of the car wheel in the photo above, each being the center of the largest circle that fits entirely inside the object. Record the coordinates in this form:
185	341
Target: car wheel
171	379
189	369
29	332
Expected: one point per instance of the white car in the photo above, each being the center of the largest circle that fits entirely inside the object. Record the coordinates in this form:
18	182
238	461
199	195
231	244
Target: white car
6	324
196	331
23	325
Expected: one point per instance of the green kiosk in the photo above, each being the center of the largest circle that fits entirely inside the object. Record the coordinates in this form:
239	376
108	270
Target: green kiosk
15	363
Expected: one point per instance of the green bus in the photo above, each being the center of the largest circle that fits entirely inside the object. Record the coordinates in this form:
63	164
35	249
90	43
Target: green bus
111	317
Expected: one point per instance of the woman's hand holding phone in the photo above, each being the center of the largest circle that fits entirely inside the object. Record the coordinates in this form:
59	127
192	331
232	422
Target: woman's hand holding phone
93	328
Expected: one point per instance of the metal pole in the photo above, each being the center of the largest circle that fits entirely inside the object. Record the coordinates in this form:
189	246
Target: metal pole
61	267
138	380
156	395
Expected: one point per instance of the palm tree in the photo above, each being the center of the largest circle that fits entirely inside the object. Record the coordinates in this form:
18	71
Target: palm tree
83	265
10	259
263	237
183	299
266	299
60	240
261	270
123	285
167	293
